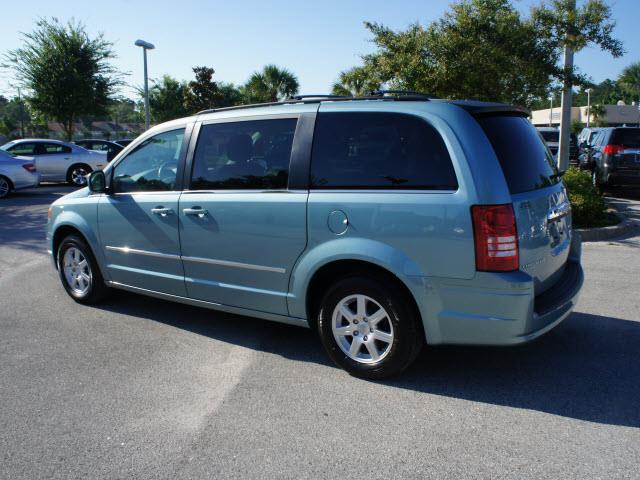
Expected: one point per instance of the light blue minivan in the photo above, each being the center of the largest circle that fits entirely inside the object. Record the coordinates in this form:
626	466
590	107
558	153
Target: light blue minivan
383	222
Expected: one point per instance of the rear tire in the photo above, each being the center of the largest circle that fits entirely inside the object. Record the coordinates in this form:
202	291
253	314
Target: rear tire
5	186
77	174
79	271
370	327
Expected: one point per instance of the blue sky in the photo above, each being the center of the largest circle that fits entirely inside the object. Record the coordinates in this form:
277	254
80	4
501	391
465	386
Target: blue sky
315	39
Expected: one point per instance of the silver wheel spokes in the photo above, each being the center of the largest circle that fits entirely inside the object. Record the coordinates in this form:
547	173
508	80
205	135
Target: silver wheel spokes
79	176
4	187
362	328
77	272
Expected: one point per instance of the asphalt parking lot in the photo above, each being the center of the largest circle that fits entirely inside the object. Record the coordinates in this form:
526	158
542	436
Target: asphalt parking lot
141	388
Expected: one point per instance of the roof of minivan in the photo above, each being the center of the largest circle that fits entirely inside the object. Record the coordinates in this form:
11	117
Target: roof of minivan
474	107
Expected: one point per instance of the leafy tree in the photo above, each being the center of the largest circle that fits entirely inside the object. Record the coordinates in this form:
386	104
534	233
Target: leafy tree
589	24
14	115
270	85
124	110
166	99
629	80
230	95
66	73
479	49
356	82
203	92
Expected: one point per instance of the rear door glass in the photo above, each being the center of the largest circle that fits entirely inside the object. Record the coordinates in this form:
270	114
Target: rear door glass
523	156
628	137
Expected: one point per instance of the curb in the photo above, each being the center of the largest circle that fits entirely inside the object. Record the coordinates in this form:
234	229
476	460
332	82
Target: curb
606	233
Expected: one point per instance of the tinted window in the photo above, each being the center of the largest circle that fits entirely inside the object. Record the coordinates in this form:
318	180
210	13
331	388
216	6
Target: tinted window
379	150
152	165
23	149
550	136
629	137
243	155
49	148
524	158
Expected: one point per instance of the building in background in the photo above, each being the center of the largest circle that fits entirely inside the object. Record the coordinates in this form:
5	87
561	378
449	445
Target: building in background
613	116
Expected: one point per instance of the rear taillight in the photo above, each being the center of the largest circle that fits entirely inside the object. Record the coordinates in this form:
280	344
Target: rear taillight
612	149
30	167
496	238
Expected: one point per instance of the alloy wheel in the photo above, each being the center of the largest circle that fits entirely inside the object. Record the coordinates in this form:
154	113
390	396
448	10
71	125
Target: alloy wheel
79	176
77	271
362	328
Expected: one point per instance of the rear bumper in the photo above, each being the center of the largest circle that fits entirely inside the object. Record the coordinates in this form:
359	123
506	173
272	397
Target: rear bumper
502	309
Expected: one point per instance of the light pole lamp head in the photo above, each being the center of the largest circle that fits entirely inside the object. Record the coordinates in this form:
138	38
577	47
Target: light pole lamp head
145	45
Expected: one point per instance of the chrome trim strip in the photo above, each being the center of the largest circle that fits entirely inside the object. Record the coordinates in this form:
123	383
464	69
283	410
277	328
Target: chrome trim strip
226	263
128	250
210	261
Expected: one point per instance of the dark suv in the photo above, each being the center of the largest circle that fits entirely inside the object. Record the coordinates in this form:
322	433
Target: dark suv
614	157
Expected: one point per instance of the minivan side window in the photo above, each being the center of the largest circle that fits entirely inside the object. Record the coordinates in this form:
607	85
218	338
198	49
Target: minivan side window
252	154
151	166
378	150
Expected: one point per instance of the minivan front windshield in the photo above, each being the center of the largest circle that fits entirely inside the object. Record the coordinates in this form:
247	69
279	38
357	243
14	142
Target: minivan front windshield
526	161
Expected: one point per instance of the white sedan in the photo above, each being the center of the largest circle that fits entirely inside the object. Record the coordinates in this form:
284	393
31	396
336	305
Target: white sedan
58	161
16	173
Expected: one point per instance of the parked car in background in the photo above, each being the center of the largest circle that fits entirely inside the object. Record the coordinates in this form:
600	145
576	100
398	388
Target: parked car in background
380	223
58	161
16	173
551	136
586	135
614	157
124	141
111	148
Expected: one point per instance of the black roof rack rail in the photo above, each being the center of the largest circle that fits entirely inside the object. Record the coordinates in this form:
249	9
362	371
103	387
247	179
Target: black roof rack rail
409	93
386	95
320	97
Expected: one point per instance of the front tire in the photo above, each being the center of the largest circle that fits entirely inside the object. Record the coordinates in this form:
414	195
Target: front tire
369	327
79	272
77	174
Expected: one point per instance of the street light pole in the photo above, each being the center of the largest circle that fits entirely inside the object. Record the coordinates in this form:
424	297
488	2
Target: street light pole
551	110
588	90
147	113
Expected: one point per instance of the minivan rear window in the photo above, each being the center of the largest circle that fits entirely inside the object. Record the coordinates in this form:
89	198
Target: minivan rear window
628	137
525	160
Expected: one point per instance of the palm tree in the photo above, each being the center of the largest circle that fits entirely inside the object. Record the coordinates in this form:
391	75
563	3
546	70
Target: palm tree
270	85
355	83
629	80
598	115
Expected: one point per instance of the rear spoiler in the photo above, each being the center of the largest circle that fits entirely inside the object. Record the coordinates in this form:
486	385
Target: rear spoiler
486	109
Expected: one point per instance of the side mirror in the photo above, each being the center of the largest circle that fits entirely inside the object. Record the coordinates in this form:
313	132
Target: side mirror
97	182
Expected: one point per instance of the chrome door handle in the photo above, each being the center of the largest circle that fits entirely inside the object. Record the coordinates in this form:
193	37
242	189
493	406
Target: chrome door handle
200	212
559	212
163	212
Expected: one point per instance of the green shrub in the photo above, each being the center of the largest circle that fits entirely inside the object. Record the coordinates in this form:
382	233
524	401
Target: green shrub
588	207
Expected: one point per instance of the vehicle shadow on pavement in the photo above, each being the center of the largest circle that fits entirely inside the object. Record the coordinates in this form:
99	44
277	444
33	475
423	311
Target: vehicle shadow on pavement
588	368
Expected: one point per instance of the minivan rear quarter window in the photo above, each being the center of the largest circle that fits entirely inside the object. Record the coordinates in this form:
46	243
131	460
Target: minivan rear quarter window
523	156
362	150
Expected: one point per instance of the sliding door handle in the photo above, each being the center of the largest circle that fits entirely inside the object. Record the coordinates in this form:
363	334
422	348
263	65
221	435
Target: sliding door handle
163	212
200	212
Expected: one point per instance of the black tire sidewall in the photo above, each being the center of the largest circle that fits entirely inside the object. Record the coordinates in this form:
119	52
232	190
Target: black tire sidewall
96	287
9	183
408	338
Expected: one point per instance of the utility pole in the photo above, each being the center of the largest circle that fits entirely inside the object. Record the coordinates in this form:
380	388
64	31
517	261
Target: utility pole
551	110
145	46
588	90
565	117
21	107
